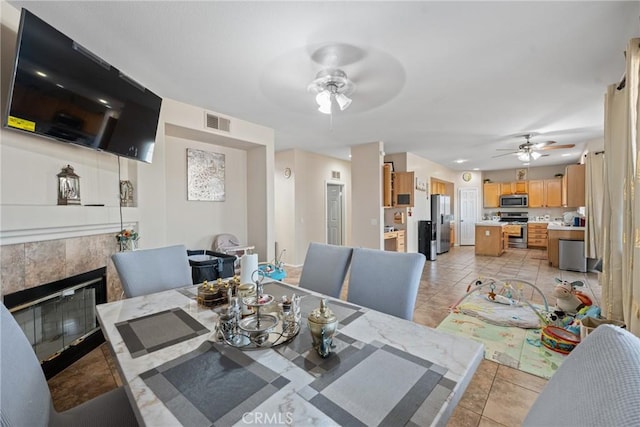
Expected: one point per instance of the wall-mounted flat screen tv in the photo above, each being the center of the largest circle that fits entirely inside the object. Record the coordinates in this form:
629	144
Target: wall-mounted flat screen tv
62	91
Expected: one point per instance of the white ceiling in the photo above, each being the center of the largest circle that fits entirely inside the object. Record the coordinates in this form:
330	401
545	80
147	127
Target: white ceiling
443	80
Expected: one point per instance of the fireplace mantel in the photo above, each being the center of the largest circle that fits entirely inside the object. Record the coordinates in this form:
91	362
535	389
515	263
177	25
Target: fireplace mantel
34	223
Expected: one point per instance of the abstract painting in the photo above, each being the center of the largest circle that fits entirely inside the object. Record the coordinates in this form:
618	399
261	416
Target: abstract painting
205	176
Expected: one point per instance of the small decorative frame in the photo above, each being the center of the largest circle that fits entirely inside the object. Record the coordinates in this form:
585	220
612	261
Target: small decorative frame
421	184
521	174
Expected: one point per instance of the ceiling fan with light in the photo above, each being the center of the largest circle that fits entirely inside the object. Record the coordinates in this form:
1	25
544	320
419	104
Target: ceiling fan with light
529	151
332	89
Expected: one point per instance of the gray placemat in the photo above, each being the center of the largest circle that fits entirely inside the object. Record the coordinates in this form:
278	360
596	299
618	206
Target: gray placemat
213	385
155	331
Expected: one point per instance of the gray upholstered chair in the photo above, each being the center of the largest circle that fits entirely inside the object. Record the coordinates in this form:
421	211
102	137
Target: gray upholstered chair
598	384
147	271
385	281
325	268
25	399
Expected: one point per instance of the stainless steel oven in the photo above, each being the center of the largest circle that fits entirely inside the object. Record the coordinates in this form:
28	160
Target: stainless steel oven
518	228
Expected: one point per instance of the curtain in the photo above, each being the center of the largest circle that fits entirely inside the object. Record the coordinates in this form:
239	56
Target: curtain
621	209
595	202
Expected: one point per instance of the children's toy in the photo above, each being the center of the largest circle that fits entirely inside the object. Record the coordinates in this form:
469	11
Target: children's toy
274	270
512	308
566	299
558	339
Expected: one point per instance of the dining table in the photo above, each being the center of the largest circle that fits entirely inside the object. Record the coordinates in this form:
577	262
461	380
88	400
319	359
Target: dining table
382	370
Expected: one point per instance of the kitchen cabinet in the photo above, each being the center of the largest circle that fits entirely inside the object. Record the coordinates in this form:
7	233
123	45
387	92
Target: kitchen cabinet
553	252
573	190
491	194
395	241
537	235
402	190
491	240
545	193
386	186
516	187
397	188
438	187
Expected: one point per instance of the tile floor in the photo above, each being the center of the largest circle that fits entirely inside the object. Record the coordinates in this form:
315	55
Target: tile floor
497	395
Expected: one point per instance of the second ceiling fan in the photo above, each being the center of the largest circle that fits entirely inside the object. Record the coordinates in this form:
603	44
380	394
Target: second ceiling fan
529	151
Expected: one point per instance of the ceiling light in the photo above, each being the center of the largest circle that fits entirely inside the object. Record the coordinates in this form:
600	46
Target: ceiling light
524	156
41	74
332	85
460	161
526	164
535	155
566	154
476	169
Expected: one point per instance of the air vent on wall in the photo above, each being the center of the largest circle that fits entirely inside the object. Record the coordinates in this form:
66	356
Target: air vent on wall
335	174
218	123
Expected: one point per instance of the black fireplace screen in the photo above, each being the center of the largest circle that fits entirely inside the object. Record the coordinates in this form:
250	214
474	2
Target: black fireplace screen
59	317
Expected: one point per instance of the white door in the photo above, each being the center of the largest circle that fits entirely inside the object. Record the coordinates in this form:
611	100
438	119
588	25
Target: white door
334	214
468	215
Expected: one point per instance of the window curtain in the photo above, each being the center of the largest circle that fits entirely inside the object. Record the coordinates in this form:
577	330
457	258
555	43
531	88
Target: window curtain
595	202
620	284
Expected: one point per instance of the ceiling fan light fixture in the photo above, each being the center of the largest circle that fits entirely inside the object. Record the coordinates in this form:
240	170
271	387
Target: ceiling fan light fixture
331	84
535	155
524	157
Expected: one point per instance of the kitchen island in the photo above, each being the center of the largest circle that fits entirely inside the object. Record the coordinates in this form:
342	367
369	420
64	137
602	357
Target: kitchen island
491	239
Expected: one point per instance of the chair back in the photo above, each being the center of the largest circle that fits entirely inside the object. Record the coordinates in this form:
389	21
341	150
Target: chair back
325	268
385	281
24	399
225	241
147	271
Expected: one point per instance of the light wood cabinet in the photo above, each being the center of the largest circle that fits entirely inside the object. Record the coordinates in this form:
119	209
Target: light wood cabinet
491	194
537	235
553	252
516	187
490	240
386	186
438	187
397	188
545	193
395	241
402	189
574	186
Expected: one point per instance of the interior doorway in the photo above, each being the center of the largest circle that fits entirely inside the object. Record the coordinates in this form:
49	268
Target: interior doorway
335	214
468	215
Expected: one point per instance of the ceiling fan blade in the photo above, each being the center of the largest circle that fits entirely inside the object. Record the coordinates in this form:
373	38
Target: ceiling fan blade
506	149
505	154
557	147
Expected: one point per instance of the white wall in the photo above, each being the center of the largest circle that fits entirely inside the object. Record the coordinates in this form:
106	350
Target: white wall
301	200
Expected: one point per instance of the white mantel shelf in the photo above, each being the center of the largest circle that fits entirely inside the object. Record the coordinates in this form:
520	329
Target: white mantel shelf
33	223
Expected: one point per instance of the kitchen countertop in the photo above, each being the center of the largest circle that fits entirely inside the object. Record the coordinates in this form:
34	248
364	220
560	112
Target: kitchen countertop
556	226
491	223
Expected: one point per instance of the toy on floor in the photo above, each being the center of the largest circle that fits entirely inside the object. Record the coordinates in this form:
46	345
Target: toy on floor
566	298
274	270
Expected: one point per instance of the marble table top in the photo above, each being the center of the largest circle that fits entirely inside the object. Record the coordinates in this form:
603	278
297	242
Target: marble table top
383	371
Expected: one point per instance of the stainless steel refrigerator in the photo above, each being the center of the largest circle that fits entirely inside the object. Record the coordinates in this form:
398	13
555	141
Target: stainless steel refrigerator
441	217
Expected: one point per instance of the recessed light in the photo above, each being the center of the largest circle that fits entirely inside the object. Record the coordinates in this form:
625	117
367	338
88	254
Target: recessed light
526	164
460	161
41	74
476	169
566	154
60	86
104	101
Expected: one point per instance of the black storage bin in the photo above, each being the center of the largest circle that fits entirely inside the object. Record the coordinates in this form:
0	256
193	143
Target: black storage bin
209	265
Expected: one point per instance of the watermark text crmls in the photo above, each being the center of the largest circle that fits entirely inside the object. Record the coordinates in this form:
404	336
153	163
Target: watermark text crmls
267	418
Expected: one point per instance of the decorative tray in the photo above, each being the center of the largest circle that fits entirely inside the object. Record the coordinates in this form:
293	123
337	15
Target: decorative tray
250	334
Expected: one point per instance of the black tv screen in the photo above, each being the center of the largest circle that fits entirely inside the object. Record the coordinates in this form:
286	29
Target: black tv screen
61	90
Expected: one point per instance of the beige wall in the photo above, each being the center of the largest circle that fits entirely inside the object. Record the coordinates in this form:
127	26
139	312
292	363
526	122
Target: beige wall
301	200
366	195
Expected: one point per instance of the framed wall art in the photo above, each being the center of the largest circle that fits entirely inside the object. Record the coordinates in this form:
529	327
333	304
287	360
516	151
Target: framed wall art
205	176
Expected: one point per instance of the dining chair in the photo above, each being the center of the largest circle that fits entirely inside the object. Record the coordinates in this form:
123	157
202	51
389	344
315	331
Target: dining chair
385	281
325	268
26	401
147	271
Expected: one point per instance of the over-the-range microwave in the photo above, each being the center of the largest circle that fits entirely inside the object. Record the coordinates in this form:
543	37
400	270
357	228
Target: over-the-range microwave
514	201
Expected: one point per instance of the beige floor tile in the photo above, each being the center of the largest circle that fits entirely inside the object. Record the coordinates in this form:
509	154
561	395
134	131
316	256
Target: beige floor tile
488	422
477	393
508	403
463	417
523	379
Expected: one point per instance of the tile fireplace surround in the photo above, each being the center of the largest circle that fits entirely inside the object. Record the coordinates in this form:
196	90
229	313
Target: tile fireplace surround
27	265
